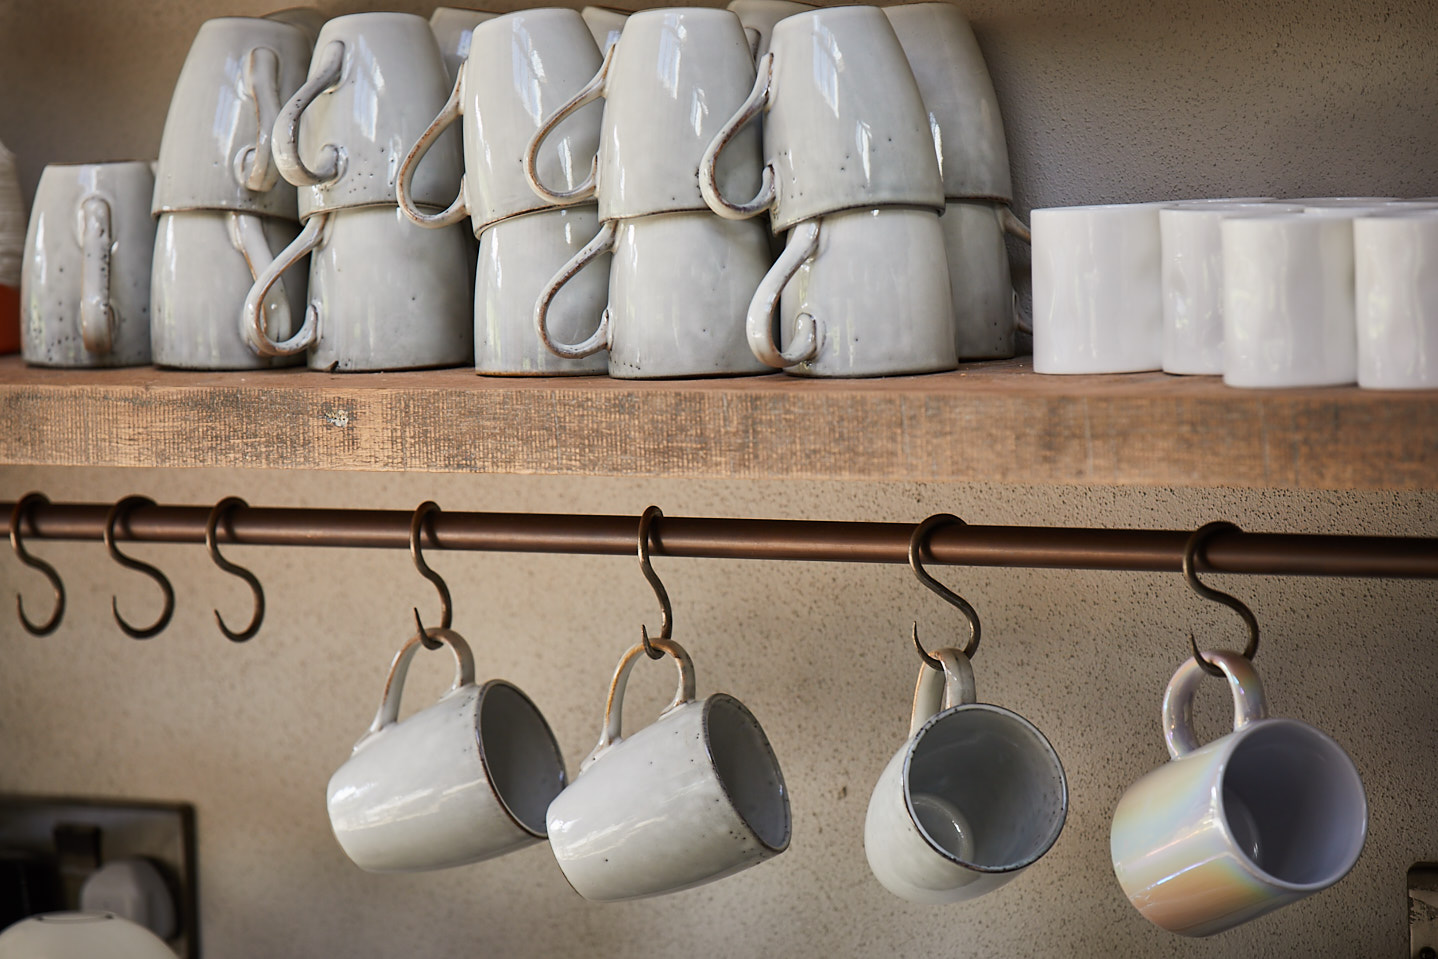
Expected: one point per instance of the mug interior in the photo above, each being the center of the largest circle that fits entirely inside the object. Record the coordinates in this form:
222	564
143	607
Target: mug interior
1294	805
748	770
520	755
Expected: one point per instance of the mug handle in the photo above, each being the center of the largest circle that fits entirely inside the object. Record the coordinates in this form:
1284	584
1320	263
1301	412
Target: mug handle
603	242
247	236
1249	703
254	168
1010	223
759	324
388	713
614	707
252	319
591	91
756	103
452	110
287	125
937	690
97	313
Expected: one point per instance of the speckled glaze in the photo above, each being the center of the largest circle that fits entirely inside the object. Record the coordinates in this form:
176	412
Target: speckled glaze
215	153
844	125
1098	294
605	25
695	796
1257	819
1396	282
673	78
980	284
85	278
759	17
204	265
453	29
465	779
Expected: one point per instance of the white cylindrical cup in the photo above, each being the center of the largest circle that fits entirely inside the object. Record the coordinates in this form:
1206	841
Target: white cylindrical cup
695	796
980	283
465	779
1288	300
605	25
1257	819
517	257
975	796
759	17
204	266
1098	296
453	29
85	278
1396	283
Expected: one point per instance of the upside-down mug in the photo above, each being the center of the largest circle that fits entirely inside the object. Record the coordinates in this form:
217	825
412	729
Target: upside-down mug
759	17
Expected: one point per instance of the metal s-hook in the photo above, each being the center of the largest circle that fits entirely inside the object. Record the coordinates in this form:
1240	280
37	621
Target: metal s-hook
422	513
666	629
118	511
18	515
918	542
221	512
1190	576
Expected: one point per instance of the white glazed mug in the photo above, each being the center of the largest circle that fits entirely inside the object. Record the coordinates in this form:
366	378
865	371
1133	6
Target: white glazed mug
453	29
695	796
759	17
679	285
383	294
674	76
605	25
85	278
521	67
465	779
860	293
844	126
205	263
215	152
1257	819
981	284
973	797
1396	282
1098	295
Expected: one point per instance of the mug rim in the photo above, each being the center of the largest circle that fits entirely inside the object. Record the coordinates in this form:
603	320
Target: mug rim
708	705
484	690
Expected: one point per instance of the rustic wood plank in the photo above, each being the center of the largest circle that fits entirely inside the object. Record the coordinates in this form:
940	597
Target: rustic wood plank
996	422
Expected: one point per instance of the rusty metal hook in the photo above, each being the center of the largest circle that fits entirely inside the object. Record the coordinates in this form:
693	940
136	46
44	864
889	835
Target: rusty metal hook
18	515
221	512
666	629
120	510
918	542
422	513
1190	576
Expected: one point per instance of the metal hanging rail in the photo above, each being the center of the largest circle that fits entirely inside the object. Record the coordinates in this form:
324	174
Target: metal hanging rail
1050	547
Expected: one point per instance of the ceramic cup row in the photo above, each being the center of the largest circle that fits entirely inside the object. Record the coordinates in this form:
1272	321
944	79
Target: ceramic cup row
1268	293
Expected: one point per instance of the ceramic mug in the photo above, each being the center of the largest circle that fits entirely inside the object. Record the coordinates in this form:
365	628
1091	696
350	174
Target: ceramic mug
667	85
522	66
85	278
759	17
1257	819
1396	283
980	282
860	293
204	265
844	124
973	797
605	25
695	796
383	294
465	779
679	284
453	29
215	152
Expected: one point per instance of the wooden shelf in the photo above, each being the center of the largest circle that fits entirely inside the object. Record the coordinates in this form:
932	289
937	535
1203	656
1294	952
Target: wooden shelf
989	422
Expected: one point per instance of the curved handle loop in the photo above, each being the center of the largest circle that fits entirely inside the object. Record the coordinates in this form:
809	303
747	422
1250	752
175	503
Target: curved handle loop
593	90
452	110
603	242
1249	703
940	689
254	165
97	314
614	707
1010	223
759	324
252	318
327	70
18	515
388	713
119	510
247	236
753	105
221	513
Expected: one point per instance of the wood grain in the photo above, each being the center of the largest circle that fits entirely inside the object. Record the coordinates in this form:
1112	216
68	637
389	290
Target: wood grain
990	422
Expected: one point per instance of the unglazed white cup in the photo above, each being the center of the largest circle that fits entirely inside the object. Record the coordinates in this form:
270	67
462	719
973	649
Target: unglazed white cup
980	283
860	293
465	779
1098	294
522	67
844	124
605	25
1257	819
759	17
453	29
973	797
679	285
215	152
85	277
695	796
1396	283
